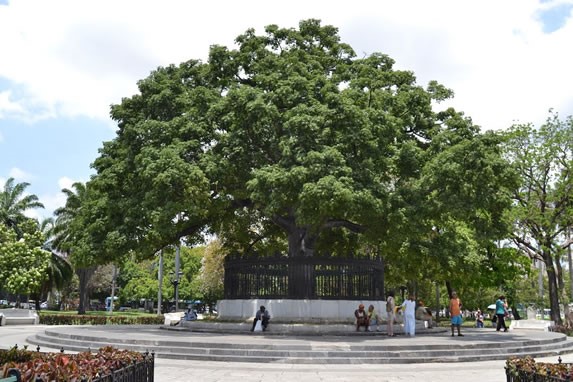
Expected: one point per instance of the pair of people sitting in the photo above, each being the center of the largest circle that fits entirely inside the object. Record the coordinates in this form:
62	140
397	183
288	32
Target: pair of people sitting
367	319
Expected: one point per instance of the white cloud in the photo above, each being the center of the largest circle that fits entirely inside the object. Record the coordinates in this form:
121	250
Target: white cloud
7	106
20	175
76	58
54	201
65	182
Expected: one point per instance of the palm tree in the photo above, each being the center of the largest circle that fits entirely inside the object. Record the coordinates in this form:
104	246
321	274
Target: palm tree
68	231
13	203
60	271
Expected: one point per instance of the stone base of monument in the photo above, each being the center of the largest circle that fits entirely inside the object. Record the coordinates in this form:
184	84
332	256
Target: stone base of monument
307	311
297	329
531	324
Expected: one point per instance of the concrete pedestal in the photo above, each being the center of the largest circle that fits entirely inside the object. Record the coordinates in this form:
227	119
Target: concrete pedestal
297	310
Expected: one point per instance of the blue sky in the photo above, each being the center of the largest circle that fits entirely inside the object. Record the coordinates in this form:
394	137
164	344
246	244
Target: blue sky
64	62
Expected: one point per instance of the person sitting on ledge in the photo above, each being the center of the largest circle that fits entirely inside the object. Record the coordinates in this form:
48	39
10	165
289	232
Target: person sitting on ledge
361	317
263	315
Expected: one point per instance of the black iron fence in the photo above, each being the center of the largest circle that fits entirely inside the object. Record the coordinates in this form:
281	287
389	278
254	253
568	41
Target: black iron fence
140	371
320	277
527	370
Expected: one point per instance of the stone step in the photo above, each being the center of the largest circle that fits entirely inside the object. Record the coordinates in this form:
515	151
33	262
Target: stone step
243	349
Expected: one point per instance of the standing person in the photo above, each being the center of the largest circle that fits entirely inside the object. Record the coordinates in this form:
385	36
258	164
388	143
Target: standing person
390	313
361	317
479	319
456	313
409	307
263	315
500	311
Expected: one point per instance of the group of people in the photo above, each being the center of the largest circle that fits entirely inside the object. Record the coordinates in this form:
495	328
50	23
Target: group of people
370	318
500	314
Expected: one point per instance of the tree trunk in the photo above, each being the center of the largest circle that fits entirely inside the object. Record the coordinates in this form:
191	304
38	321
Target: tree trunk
449	288
300	242
84	275
300	274
553	288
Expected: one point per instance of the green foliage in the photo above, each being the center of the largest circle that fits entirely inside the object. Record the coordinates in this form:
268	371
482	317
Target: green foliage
290	142
543	159
79	319
212	272
14	202
139	279
23	262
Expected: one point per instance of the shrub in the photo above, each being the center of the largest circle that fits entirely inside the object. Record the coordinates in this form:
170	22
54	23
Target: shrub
74	319
526	369
86	366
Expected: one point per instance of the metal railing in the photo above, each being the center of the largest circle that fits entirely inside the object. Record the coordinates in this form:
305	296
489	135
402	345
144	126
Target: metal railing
548	373
319	277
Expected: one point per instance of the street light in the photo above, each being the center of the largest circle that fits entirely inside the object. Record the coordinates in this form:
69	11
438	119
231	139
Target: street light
175	282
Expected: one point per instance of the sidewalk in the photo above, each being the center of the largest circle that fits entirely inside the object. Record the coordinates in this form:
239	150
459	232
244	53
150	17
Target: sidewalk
168	370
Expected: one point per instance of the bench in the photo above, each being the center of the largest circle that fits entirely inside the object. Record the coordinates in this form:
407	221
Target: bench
172	319
15	316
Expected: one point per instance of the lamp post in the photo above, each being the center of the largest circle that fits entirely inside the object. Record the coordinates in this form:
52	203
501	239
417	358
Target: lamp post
175	282
160	281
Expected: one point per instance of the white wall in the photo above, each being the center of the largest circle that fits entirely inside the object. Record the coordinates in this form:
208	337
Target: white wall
296	310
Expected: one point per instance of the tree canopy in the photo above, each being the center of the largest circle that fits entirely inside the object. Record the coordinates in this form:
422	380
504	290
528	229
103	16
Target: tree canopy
543	158
290	141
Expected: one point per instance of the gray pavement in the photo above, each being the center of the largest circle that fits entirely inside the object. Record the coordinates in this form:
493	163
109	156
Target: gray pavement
169	370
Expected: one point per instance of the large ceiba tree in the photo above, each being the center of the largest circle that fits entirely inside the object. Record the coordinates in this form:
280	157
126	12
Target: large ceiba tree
289	138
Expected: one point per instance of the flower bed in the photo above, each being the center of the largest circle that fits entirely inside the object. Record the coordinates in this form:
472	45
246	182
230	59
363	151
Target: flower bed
527	370
108	364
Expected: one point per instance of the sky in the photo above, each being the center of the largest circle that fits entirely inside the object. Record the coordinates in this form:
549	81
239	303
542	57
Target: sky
64	62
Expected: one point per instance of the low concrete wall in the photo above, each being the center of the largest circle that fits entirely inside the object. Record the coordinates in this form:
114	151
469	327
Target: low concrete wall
531	324
296	310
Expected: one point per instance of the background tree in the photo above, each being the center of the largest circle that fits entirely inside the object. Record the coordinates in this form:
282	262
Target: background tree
212	271
72	238
542	203
21	259
23	262
14	203
59	272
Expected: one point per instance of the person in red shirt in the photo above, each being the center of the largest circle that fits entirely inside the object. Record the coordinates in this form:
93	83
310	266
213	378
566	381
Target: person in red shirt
456	313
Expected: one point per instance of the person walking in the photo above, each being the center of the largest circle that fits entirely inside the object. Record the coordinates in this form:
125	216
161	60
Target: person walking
500	312
456	313
390	313
409	307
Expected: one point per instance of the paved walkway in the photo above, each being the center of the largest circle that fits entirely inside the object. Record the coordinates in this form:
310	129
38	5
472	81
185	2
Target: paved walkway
167	370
